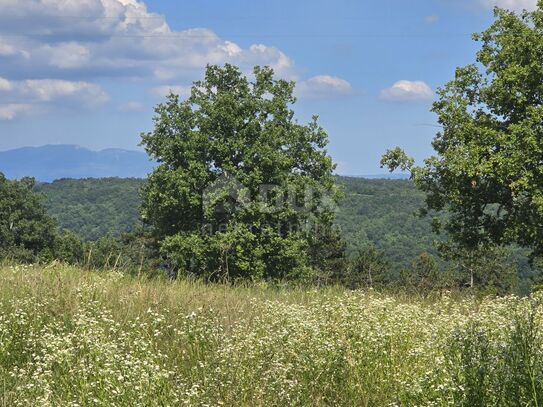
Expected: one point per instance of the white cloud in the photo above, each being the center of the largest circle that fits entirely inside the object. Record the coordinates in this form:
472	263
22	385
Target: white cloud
87	40
432	19
10	111
407	91
265	55
163	91
67	55
23	96
6	49
47	90
323	86
94	38
132	106
5	85
516	5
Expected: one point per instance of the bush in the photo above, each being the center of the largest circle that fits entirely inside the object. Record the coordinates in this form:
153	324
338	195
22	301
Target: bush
69	248
27	232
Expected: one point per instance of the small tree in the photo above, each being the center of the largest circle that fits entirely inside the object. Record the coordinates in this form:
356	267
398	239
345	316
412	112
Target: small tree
327	254
104	253
26	230
242	189
424	275
369	269
69	248
488	269
487	173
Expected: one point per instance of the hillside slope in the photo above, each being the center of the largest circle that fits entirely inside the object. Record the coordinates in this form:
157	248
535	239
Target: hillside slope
384	213
378	212
94	208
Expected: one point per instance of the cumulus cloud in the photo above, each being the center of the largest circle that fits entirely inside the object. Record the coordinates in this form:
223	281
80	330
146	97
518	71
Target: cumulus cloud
323	86
516	5
132	106
66	55
163	91
94	38
9	111
47	90
20	96
407	91
54	52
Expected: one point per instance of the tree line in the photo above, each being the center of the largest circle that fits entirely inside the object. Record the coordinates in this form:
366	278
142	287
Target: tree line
242	190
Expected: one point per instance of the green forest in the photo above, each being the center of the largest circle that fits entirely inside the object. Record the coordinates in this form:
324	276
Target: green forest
244	272
93	208
379	212
383	214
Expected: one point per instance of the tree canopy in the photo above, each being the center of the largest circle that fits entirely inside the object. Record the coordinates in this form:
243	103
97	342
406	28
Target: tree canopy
26	229
94	208
239	180
488	168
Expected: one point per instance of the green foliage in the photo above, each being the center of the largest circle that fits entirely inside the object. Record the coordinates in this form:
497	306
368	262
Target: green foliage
94	208
501	365
397	159
69	336
493	269
368	269
238	179
487	170
27	232
69	248
140	252
327	254
384	213
104	253
378	213
424	276
133	252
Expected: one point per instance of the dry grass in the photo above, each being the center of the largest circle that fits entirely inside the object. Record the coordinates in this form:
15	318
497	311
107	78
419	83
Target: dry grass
71	337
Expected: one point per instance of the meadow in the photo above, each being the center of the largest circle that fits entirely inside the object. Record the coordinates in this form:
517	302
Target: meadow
70	337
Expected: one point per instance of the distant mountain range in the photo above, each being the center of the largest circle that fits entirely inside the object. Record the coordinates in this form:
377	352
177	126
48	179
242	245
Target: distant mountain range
52	162
388	175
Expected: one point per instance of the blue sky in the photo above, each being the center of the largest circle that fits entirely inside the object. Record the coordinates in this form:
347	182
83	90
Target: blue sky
89	72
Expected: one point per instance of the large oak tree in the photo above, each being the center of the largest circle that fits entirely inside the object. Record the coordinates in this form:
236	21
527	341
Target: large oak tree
242	190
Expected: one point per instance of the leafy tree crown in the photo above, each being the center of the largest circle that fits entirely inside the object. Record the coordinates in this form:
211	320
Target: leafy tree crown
232	159
488	170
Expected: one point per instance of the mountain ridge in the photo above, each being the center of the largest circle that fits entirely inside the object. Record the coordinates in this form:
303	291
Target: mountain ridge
52	162
57	161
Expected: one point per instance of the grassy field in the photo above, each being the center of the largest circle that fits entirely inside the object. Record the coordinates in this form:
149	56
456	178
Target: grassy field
75	338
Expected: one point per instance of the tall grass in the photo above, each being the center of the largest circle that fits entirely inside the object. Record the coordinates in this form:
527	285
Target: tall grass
71	337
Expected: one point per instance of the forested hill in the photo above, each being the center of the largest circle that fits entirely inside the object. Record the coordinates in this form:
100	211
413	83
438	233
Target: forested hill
381	212
94	208
384	213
